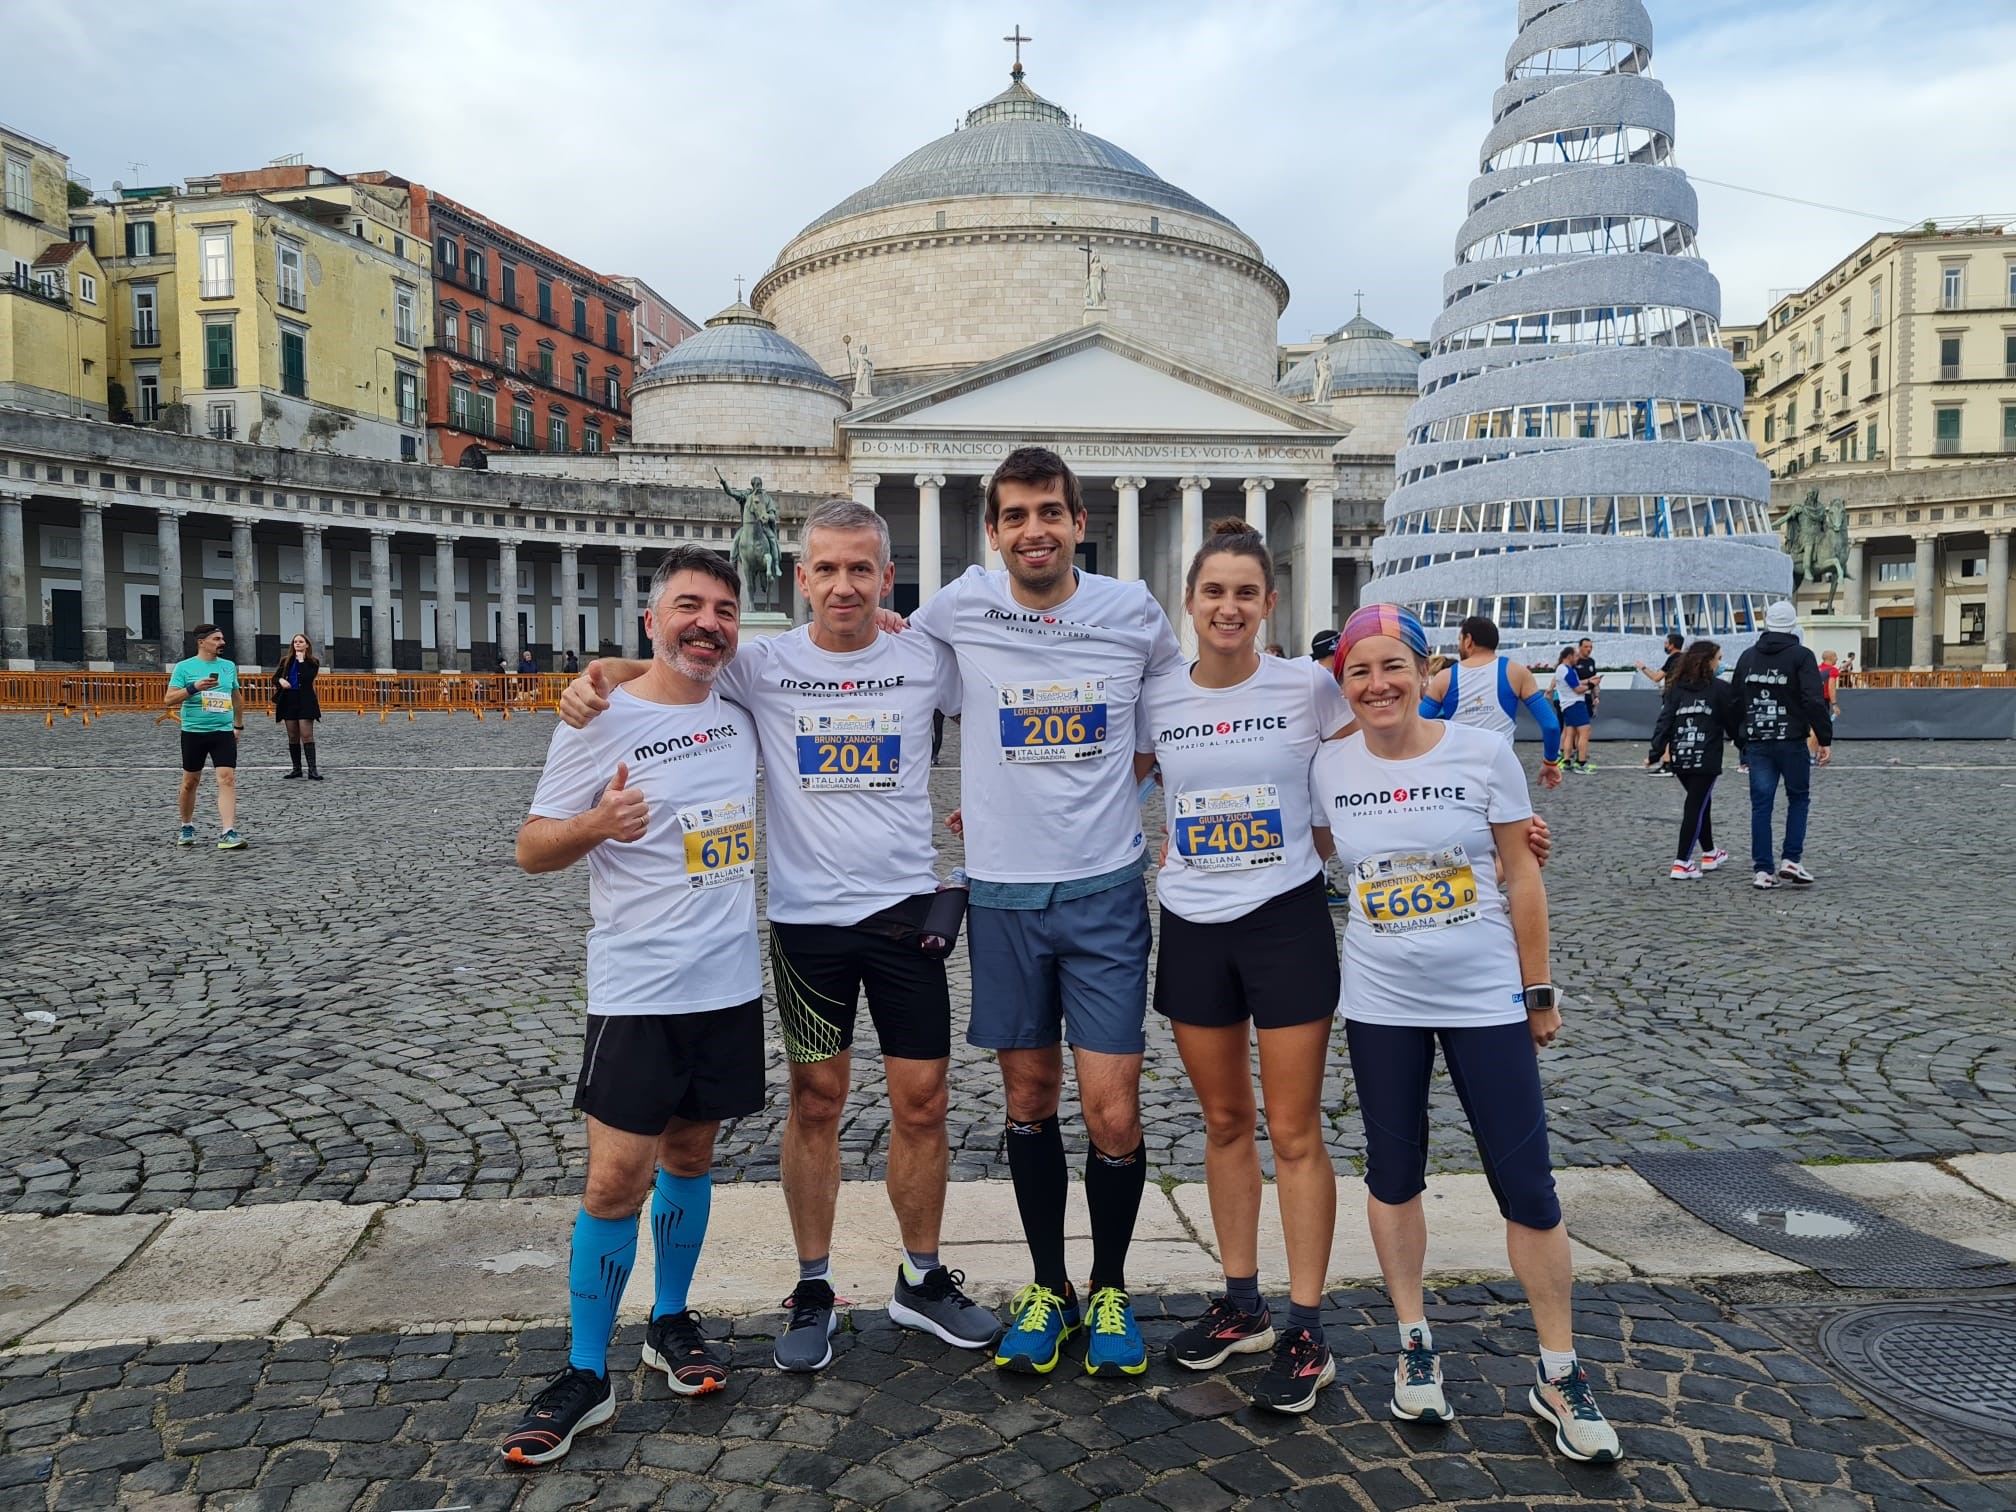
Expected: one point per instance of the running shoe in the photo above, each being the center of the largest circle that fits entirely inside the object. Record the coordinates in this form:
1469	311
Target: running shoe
807	1341
1116	1346
1792	871
1585	766
231	840
1335	896
1685	871
936	1305
186	835
571	1401
1713	860
1763	880
1035	1340
1580	1431
1417	1384
1303	1366
672	1343
1223	1331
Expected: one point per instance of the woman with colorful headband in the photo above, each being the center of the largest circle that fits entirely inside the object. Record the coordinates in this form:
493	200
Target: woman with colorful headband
1444	945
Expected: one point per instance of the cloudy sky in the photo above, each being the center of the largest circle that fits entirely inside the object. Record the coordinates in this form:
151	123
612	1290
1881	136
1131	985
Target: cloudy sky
686	142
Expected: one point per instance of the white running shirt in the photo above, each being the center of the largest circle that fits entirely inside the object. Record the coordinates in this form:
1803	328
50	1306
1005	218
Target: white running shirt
675	911
1049	732
1235	783
846	739
1429	942
1567	686
1480	697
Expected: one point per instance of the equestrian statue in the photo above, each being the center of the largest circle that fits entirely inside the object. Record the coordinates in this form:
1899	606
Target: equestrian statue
1816	538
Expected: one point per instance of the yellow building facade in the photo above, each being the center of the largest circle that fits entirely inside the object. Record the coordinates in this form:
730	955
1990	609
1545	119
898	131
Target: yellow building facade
52	289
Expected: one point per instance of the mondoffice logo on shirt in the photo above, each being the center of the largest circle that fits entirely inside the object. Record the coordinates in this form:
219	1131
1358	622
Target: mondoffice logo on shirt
1398	797
1042	624
844	685
1219	729
679	743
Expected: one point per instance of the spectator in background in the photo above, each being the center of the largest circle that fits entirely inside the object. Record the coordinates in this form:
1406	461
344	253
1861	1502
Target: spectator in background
570	664
1275	648
295	704
1674	643
1585	669
1830	682
1779	699
1571	697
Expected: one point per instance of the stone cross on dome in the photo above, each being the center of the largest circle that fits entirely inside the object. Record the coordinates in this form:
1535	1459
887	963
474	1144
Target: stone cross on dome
738	288
1018	39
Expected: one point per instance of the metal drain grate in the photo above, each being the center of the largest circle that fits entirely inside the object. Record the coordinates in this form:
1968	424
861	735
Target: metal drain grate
1765	1200
1946	1367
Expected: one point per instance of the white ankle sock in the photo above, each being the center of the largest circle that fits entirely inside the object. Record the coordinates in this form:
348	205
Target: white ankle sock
1556	1363
1407	1330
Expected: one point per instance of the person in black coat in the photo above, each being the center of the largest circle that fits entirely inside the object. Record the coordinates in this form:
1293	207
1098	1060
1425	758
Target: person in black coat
295	704
1697	714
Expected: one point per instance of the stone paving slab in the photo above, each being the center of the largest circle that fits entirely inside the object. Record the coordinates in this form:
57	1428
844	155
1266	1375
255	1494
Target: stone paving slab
1992	1173
1713	1415
1920	1195
1623	1215
46	1266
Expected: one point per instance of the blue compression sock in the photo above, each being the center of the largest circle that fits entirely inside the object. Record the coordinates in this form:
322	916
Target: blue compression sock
598	1268
679	1209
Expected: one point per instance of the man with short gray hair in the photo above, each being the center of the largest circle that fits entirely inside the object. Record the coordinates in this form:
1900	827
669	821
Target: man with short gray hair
843	713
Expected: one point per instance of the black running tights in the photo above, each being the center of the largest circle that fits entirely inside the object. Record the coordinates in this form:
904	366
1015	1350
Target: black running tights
1696	823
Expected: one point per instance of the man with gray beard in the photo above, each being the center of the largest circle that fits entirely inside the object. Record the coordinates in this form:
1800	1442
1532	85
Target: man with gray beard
660	798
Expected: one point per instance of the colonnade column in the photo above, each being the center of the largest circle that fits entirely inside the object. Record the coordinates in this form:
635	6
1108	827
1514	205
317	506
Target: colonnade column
930	536
863	486
91	560
1192	538
13	586
570	602
989	557
447	651
168	584
381	601
244	594
627	597
507	603
1858	590
1924	602
1128	568
1997	626
1317	555
1256	503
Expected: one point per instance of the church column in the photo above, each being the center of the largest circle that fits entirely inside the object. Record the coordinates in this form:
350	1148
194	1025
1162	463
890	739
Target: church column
91	560
314	623
14	586
1128	568
1997	624
1256	503
1924	602
168	552
1858	592
627	597
1192	538
381	601
570	604
1317	554
863	485
447	639
507	603
244	593
989	557
930	535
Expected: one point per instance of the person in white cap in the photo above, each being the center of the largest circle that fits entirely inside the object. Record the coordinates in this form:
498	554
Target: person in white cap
1779	698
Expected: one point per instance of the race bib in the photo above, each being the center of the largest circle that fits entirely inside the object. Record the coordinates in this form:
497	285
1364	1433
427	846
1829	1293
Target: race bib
1407	893
720	842
1228	829
1062	721
216	701
854	751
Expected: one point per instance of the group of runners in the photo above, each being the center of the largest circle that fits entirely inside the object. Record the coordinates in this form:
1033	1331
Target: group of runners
1073	689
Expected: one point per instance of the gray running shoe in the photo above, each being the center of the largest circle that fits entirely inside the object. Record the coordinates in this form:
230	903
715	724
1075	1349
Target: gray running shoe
936	1305
807	1341
1580	1431
1417	1385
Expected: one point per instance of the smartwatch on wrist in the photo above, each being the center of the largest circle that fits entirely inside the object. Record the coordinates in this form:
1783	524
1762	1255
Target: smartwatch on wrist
1541	998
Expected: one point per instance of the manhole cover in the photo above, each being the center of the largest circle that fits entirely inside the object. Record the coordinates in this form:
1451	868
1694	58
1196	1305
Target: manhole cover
1946	1367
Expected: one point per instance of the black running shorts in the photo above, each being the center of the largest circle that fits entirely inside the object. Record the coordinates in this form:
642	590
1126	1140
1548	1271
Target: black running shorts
639	1071
1276	965
820	969
218	747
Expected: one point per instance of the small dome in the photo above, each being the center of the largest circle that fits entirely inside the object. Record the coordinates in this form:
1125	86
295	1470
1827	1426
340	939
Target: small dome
737	344
1019	143
1363	356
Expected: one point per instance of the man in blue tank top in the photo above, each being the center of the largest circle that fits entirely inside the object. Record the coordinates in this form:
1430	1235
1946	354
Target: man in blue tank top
1485	689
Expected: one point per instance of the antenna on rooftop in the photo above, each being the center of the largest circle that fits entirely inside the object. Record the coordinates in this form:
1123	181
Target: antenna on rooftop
290	160
135	168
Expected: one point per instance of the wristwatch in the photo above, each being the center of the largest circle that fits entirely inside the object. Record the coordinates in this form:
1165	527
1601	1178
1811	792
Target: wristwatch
1541	998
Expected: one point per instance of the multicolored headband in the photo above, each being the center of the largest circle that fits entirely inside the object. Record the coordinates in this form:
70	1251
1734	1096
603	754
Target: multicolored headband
1380	619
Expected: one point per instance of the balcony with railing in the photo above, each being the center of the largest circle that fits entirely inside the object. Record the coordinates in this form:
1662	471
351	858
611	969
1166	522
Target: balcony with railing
1946	446
40	287
1949	372
145	334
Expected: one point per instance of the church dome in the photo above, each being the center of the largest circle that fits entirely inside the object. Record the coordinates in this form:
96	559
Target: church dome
1019	143
737	343
1363	356
739	382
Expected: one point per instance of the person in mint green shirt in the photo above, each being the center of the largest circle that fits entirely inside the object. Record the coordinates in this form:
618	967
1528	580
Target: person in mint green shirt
203	691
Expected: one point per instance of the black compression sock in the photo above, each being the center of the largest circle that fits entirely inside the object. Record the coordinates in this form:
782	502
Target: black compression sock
1036	1165
1113	1186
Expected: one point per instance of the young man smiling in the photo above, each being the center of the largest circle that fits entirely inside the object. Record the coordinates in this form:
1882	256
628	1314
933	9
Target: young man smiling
203	690
844	716
1052	661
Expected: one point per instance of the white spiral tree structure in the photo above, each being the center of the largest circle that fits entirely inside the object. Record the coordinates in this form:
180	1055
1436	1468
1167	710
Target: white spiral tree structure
1576	463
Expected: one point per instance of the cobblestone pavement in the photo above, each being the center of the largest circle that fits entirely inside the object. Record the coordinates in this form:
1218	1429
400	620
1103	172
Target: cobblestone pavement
1712	1414
372	1003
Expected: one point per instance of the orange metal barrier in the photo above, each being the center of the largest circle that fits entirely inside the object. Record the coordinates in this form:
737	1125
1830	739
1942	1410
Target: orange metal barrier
1957	677
90	694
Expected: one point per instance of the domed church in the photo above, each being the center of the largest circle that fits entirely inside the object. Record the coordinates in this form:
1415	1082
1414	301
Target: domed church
1019	280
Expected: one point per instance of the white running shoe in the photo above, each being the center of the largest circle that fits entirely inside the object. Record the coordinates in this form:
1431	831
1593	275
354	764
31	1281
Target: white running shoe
1417	1385
1792	871
1713	860
1685	871
1763	880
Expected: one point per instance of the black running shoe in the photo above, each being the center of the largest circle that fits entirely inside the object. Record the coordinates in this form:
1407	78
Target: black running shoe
1222	1332
1302	1367
673	1344
807	1341
936	1305
571	1401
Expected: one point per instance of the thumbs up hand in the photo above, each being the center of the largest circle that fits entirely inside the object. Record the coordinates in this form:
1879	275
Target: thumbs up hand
621	813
